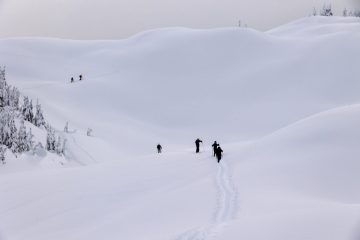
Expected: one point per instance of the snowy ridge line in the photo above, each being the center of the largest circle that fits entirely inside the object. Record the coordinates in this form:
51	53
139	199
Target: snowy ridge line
311	117
225	210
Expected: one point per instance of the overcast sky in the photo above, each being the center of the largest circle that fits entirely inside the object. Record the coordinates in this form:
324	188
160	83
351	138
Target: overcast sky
114	19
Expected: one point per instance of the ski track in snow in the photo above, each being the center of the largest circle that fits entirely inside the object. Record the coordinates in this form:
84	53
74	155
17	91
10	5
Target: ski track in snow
225	210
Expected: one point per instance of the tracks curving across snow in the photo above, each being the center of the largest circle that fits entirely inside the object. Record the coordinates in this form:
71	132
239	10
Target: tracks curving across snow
225	210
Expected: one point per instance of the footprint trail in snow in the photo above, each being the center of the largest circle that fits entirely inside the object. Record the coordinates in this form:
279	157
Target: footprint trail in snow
225	210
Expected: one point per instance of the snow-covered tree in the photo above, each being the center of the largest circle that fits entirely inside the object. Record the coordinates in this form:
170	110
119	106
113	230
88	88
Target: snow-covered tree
30	140
8	131
22	139
50	140
39	117
58	147
326	11
39	149
314	12
2	87
66	128
2	154
14	98
13	133
14	137
356	13
27	110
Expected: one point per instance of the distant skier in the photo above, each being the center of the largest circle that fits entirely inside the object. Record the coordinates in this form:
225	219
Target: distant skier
197	143
80	77
215	145
159	148
72	80
218	153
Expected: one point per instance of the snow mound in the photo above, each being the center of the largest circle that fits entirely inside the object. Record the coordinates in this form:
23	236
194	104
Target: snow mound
308	170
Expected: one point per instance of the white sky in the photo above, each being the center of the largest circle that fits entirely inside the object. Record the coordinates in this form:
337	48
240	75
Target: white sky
113	19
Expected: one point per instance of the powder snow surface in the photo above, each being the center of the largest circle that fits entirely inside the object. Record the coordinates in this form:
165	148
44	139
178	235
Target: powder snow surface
284	105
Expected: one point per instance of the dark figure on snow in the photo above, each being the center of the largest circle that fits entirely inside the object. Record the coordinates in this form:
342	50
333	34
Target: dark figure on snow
197	143
218	153
215	146
80	77
159	148
72	80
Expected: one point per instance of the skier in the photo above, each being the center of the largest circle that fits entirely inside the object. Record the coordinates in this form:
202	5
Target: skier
80	77
218	153
72	80
215	145
197	143
159	148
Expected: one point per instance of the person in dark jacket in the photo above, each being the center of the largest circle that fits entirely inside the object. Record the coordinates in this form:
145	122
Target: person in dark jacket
72	80
197	143
215	145
159	148
80	77
218	153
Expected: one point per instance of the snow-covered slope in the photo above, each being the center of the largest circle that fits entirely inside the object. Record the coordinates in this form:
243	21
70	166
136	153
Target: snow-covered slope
283	104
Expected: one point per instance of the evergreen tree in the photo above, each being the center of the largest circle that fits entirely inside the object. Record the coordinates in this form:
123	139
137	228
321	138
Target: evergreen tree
50	140
2	154
30	140
19	140
13	132
2	87
58	147
39	117
326	11
356	13
22	139
66	128
27	109
314	12
31	112
345	12
14	98
9	96
7	127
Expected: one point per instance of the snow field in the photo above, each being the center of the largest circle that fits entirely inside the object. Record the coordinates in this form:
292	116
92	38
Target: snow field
283	104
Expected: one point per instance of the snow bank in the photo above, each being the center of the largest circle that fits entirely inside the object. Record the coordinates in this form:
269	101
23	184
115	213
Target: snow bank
301	180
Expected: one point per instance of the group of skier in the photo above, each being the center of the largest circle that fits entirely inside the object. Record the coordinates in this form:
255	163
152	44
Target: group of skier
80	78
216	149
